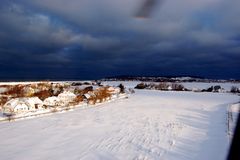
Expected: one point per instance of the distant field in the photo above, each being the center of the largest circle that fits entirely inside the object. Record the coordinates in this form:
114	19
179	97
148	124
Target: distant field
189	85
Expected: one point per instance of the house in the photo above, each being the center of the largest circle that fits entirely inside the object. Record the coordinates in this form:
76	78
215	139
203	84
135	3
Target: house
113	90
114	96
67	96
91	98
169	88
53	102
87	96
22	105
35	103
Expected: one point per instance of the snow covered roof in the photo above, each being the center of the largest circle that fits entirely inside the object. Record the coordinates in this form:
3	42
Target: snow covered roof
114	89
34	100
111	89
13	103
51	100
87	95
66	94
30	102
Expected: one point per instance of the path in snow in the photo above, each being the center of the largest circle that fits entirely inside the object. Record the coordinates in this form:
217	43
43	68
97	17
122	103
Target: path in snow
148	125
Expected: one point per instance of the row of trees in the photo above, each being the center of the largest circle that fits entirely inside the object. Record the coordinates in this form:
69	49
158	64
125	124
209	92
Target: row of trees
102	94
180	87
41	90
98	95
161	86
235	89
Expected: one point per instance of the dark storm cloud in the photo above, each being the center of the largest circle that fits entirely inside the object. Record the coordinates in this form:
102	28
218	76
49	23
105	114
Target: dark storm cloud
90	38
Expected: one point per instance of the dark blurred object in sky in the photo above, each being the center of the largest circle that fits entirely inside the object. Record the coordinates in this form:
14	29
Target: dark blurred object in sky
234	149
146	8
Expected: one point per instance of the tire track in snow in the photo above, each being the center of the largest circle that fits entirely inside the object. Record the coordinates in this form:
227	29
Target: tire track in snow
148	136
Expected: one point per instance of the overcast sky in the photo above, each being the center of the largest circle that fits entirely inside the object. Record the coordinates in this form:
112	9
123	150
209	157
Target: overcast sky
87	39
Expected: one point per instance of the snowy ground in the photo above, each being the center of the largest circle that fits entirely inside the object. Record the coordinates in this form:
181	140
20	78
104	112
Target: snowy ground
148	125
188	85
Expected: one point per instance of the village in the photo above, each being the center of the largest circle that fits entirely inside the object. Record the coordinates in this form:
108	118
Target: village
21	100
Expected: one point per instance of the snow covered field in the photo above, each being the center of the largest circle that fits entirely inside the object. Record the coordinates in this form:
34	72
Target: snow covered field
189	85
147	125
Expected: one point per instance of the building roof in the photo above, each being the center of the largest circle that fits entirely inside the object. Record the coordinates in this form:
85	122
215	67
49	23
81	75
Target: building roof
51	100
30	102
33	100
87	95
66	94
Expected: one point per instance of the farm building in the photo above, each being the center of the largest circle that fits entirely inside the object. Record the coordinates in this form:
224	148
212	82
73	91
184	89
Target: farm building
22	105
169	88
113	90
53	102
67	96
35	103
87	96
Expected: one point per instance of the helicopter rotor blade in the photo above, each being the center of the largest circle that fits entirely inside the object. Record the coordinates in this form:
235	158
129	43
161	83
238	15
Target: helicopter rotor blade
146	8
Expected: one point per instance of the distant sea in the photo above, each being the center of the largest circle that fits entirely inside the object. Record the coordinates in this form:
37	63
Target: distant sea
43	79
